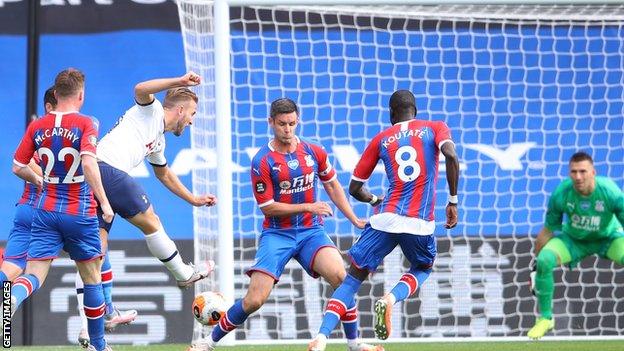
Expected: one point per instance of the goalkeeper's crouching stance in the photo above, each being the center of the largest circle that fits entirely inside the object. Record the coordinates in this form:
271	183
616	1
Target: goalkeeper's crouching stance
594	209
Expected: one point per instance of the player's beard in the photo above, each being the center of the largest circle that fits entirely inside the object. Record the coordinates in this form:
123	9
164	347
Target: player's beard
179	129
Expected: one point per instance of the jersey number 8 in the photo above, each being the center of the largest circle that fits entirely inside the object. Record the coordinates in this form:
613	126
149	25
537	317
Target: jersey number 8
405	163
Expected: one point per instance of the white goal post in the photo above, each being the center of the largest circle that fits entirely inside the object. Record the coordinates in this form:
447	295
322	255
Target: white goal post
522	85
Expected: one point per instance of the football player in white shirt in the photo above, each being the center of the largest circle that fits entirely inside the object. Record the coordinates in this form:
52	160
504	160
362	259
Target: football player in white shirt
138	135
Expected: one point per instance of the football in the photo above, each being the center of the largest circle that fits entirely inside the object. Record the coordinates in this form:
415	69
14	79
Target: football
208	307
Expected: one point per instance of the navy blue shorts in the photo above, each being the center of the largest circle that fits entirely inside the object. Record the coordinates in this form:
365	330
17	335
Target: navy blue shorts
19	237
374	245
125	195
79	236
278	246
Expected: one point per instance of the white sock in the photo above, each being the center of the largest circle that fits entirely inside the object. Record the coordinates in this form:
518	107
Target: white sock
80	299
323	337
163	248
392	299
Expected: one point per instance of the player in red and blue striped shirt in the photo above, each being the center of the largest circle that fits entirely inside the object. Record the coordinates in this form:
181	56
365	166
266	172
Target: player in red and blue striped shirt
290	178
65	213
409	150
284	175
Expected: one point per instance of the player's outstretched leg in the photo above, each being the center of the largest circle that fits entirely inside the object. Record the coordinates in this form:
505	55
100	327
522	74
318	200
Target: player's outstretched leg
260	287
234	317
163	248
406	287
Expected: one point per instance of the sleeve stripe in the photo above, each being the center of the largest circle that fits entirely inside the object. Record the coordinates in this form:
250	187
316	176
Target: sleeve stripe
266	203
444	142
19	163
157	165
358	179
331	179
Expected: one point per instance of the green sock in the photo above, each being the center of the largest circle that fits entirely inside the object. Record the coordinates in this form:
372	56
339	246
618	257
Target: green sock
544	281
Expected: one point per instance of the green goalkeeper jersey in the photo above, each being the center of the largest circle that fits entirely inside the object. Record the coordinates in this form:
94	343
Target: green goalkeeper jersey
594	217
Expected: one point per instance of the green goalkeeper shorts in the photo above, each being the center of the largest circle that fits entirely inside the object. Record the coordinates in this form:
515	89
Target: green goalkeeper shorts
579	249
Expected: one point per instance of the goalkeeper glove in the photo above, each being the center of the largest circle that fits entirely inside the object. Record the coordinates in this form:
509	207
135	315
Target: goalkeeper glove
532	276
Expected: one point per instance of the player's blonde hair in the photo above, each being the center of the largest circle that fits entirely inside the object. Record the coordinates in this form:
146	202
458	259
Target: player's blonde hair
178	95
68	83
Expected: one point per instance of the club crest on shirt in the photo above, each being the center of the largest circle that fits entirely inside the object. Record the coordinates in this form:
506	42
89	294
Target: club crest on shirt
585	205
599	206
293	164
309	161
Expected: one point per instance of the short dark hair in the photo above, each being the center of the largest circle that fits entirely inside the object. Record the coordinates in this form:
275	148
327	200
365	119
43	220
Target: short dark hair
283	105
581	156
402	102
68	83
48	97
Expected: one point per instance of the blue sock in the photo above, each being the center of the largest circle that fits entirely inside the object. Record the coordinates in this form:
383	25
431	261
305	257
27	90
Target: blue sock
409	283
337	306
94	308
3	277
234	317
24	286
107	284
350	321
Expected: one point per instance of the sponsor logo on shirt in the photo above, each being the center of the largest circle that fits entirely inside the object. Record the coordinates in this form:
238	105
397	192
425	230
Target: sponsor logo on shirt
299	184
585	205
293	164
260	187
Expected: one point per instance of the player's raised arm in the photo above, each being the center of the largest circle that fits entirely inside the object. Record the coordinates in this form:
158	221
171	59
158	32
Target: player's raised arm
452	178
144	91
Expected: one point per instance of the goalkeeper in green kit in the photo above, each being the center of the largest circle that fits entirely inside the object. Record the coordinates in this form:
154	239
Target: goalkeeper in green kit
594	211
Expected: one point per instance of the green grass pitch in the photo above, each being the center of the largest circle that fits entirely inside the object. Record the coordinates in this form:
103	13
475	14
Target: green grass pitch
455	346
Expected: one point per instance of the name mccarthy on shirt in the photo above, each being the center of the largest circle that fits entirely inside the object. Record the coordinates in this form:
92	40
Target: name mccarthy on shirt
56	131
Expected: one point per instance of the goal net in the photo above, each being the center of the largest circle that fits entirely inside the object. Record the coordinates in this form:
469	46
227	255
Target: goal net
521	87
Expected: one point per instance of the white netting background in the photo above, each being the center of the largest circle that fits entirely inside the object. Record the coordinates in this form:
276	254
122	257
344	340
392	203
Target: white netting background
522	88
